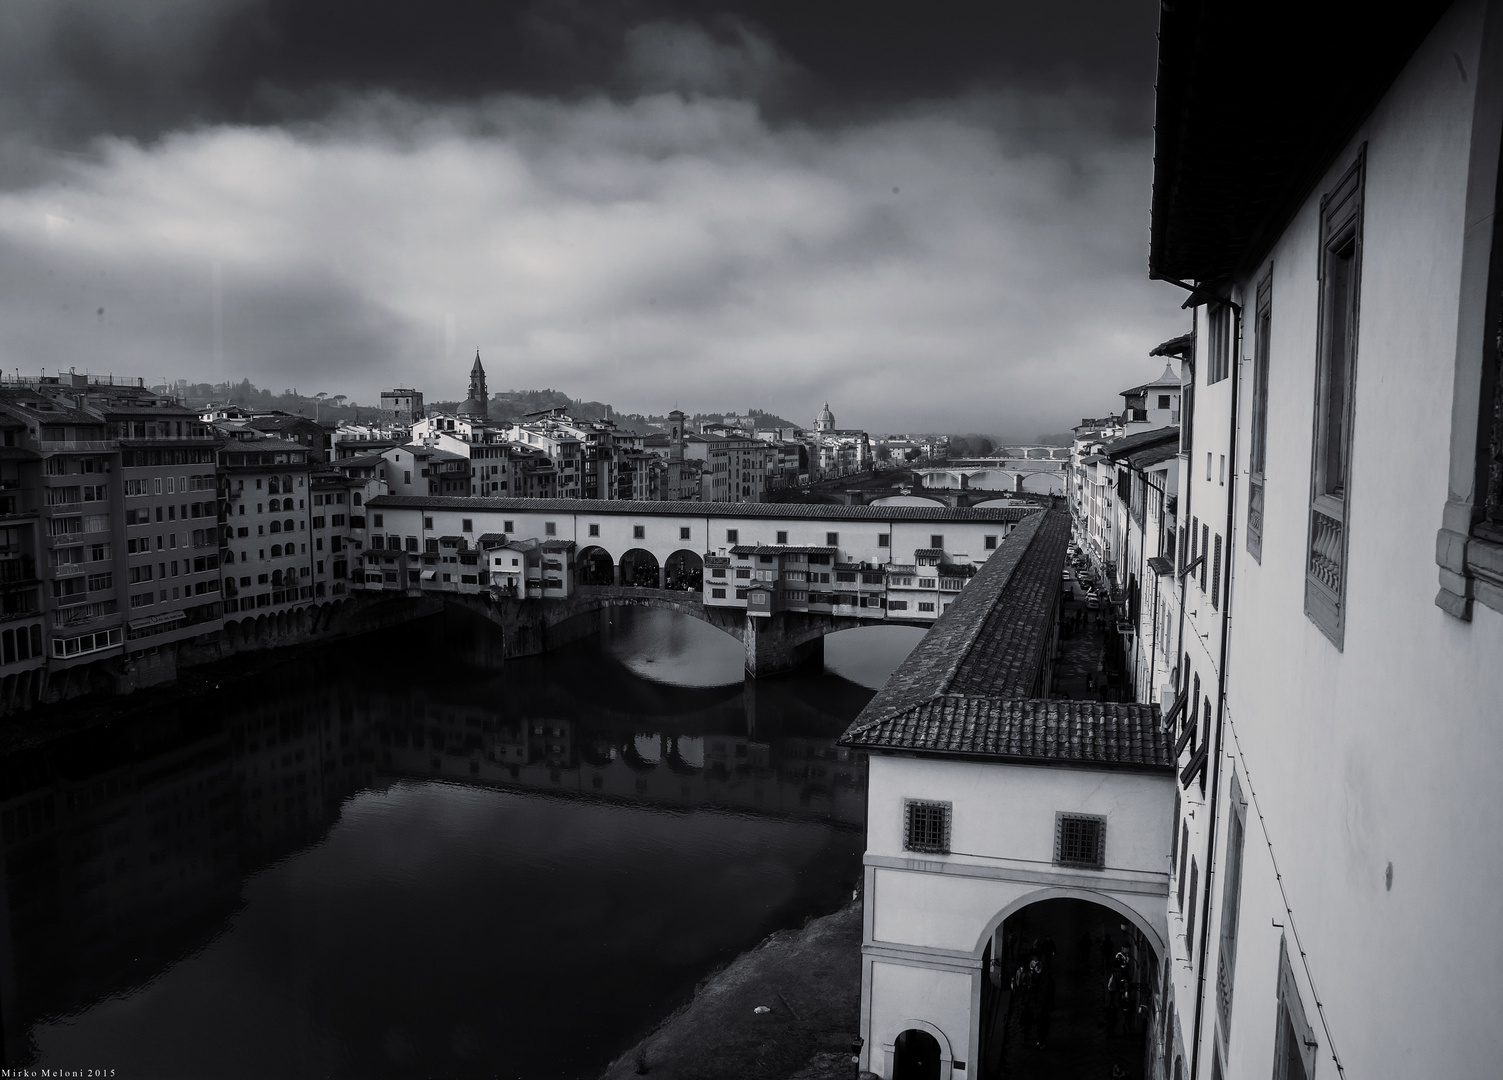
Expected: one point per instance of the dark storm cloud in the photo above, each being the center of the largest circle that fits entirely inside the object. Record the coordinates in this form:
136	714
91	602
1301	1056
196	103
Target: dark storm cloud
935	221
71	69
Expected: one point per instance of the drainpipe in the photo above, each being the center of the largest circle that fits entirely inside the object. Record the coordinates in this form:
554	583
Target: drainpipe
1226	621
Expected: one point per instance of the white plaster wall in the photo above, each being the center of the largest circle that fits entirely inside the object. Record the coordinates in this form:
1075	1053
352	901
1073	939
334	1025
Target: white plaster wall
945	997
1007	811
1380	751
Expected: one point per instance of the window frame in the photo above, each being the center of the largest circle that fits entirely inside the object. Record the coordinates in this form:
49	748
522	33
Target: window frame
1469	550
1231	906
1327	545
1290	1021
947	812
1061	819
1257	454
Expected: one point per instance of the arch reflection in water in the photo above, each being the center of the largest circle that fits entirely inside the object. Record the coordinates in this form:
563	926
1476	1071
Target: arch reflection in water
185	878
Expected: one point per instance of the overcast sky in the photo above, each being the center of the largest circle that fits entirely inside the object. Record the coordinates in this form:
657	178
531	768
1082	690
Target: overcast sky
935	218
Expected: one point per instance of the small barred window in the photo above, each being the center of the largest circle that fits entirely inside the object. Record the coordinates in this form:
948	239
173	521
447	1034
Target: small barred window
1080	840
927	827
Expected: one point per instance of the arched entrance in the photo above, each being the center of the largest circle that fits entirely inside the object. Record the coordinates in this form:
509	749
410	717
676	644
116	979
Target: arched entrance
640	568
915	1056
684	570
594	566
1071	990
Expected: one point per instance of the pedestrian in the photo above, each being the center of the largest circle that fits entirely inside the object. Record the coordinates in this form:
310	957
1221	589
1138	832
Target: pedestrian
1044	996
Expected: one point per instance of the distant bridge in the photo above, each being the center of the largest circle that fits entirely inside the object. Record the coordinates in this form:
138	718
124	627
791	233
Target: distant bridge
1038	476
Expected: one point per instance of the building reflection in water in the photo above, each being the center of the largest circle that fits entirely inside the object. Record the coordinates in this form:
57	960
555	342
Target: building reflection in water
124	848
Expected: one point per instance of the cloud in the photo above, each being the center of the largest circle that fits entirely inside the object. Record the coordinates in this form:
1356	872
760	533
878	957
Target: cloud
939	269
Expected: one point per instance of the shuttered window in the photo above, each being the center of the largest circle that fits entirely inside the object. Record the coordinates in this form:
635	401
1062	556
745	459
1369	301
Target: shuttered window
1335	382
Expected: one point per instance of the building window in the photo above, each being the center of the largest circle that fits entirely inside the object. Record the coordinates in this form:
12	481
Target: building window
732	536
594	530
376	523
1205	551
1231	902
1257	457
467	525
936	541
925	606
782	536
717	594
1080	840
1190	908
1294	1040
1336	370
1216	574
683	532
1219	344
550	528
639	532
427	523
989	542
832	539
926	826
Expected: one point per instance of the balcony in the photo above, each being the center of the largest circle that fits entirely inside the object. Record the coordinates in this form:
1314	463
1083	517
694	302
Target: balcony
80	446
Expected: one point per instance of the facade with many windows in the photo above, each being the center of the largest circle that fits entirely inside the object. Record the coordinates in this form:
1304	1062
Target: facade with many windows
1335	714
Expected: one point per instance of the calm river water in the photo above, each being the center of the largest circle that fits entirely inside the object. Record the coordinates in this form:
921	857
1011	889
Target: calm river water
388	860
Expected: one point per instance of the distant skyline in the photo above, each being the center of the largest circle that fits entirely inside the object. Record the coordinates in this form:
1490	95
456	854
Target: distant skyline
936	222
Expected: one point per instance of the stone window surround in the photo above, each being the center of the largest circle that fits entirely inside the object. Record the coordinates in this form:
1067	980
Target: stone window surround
1470	565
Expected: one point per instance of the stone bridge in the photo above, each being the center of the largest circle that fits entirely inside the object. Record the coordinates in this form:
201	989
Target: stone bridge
774	643
1037	476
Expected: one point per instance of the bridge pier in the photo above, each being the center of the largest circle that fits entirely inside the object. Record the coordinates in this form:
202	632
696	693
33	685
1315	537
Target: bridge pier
772	648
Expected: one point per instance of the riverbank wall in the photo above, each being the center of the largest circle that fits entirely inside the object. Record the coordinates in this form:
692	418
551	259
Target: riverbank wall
786	1009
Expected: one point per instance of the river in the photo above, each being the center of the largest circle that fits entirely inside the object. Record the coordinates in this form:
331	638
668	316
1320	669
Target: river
391	859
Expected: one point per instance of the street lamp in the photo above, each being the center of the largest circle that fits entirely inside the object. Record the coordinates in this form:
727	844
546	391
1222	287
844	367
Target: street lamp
856	1044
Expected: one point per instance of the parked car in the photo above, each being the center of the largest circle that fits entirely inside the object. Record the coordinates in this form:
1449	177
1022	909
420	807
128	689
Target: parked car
1092	602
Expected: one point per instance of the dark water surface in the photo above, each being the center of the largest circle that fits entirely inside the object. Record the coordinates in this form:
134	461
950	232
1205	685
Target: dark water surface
388	860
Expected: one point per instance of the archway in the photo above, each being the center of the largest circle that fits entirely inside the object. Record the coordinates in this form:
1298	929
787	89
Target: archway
594	566
639	567
915	1056
1071	989
684	570
1042	483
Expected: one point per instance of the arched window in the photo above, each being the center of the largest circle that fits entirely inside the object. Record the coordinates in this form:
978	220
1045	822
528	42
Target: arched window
276	577
276	551
229	556
276	526
287	484
290	526
275	505
272	486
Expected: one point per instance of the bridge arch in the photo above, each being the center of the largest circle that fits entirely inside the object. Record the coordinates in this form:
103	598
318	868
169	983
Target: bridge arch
593	565
684	569
1042	483
640	568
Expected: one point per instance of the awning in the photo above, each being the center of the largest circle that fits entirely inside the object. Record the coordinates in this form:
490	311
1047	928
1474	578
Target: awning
430	575
157	620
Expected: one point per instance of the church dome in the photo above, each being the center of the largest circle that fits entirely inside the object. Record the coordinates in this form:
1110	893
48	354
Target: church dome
826	419
472	407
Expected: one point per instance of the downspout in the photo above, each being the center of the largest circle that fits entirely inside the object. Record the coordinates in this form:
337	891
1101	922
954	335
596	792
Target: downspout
1226	619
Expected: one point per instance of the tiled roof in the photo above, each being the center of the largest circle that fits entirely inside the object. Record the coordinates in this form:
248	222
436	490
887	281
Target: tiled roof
1091	733
1140	440
970	686
776	511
